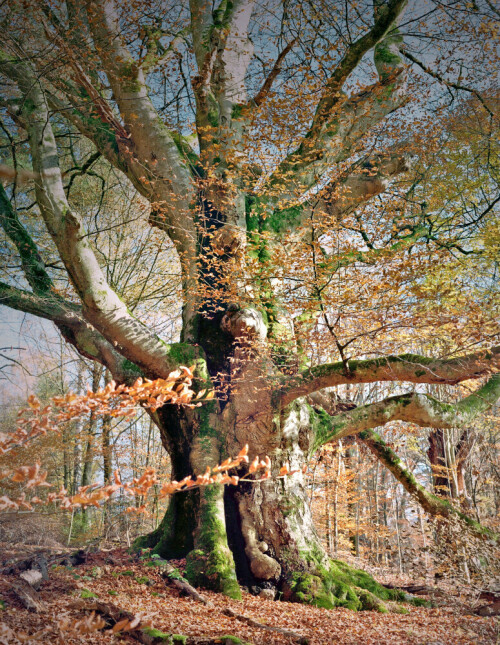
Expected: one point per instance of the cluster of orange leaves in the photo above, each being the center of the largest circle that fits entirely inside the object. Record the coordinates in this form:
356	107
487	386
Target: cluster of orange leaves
118	401
94	494
217	475
66	626
113	400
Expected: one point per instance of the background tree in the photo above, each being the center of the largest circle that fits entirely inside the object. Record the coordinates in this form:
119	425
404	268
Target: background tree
286	151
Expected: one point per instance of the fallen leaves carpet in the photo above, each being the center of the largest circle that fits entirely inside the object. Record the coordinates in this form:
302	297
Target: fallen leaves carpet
132	585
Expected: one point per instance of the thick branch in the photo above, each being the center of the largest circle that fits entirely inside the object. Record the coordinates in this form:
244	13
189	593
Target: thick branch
31	261
421	409
75	330
168	181
371	179
101	305
201	22
234	57
406	367
44	302
432	504
388	15
339	121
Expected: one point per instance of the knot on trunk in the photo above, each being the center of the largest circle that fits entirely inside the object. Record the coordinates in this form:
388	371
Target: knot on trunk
244	324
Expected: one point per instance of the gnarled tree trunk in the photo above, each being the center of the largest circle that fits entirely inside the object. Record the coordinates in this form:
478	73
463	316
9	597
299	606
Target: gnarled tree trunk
258	533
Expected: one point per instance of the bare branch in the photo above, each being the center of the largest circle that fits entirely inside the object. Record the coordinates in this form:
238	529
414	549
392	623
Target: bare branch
273	74
441	79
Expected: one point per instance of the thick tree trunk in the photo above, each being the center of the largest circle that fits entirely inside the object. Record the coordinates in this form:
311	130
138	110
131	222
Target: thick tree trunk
257	534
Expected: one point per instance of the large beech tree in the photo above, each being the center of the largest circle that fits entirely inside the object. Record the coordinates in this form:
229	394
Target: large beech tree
285	149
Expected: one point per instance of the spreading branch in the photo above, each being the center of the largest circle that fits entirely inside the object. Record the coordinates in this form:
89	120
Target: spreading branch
432	504
74	328
386	17
339	122
167	180
444	81
411	368
101	305
420	409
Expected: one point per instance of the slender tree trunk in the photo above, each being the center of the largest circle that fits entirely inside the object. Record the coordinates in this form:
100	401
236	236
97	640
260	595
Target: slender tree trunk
398	536
376	518
107	465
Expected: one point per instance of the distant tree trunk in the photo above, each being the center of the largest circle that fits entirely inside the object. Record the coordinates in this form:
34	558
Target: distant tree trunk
338	455
89	434
398	535
447	461
107	465
77	431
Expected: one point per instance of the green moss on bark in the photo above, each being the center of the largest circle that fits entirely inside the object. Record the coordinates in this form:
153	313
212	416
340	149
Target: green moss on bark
211	563
173	538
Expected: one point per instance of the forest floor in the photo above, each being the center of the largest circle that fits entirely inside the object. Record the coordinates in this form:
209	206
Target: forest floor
116	578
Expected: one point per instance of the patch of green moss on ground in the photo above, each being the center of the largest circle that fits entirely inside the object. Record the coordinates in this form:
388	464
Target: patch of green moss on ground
168	639
85	593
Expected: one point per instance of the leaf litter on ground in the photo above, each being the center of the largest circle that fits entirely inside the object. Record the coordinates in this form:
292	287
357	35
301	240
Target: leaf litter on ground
117	577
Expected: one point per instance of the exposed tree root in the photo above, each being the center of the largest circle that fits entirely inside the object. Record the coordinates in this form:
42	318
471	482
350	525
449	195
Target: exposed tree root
172	575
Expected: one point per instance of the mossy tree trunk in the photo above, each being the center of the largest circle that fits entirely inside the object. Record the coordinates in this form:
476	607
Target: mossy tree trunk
259	534
262	533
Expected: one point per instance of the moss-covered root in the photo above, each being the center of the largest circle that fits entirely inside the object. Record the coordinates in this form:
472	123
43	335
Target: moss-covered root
210	564
340	585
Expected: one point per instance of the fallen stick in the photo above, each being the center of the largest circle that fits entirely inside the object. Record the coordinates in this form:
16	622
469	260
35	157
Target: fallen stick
253	623
27	595
146	634
172	575
417	589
